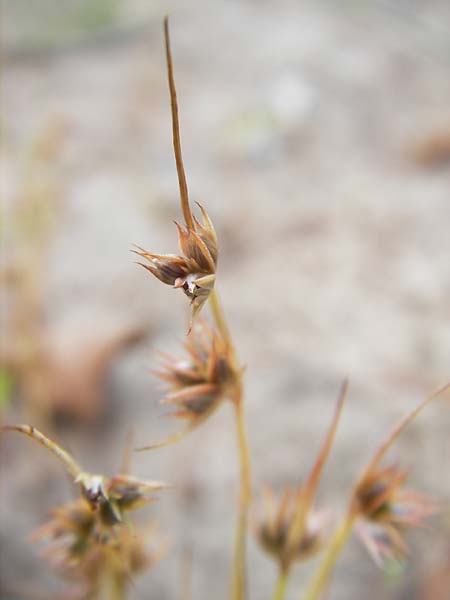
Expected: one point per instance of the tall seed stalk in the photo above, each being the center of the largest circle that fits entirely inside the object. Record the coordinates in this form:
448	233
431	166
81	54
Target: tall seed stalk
238	576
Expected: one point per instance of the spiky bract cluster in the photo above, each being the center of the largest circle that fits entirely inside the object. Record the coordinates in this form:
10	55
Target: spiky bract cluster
274	527
193	271
384	509
82	548
203	379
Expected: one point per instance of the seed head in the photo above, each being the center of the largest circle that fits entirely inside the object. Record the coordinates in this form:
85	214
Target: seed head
273	528
113	496
199	382
193	271
381	507
80	546
384	509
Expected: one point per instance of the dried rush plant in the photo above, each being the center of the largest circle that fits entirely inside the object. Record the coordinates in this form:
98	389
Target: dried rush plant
98	547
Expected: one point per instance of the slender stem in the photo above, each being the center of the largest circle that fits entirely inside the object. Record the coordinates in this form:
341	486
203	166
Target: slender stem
244	456
219	317
238	575
111	584
64	457
176	133
309	489
321	575
280	585
238	580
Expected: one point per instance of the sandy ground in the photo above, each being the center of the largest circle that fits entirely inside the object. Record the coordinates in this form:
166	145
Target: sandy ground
307	132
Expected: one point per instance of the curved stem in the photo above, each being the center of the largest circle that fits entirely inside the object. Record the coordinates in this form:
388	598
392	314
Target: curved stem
321	575
71	465
280	585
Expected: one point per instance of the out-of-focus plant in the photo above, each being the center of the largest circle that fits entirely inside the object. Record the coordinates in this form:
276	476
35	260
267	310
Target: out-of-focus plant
91	540
57	371
294	531
379	509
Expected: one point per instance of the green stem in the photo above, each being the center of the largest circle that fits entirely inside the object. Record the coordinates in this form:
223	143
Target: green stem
280	585
219	317
111	584
238	576
323	571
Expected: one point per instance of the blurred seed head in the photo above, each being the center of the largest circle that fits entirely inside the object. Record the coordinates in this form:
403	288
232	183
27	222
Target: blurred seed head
80	547
384	509
111	497
274	526
203	379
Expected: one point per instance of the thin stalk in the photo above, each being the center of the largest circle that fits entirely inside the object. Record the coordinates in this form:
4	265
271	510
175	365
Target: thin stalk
238	579
219	318
320	577
112	584
184	197
280	585
298	525
71	465
244	455
238	575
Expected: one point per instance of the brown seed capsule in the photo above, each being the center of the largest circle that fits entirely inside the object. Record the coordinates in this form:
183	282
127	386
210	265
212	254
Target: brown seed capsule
194	270
199	382
384	509
81	548
275	524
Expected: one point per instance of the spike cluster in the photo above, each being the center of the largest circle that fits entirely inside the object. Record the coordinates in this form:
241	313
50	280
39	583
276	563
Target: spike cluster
384	509
201	381
88	537
111	497
275	525
80	547
193	271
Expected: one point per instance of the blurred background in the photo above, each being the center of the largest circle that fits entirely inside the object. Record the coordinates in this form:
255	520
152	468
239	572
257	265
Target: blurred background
317	134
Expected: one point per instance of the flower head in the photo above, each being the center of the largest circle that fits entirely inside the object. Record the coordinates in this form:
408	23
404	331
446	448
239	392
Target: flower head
193	271
113	496
199	382
81	547
384	509
379	503
274	527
